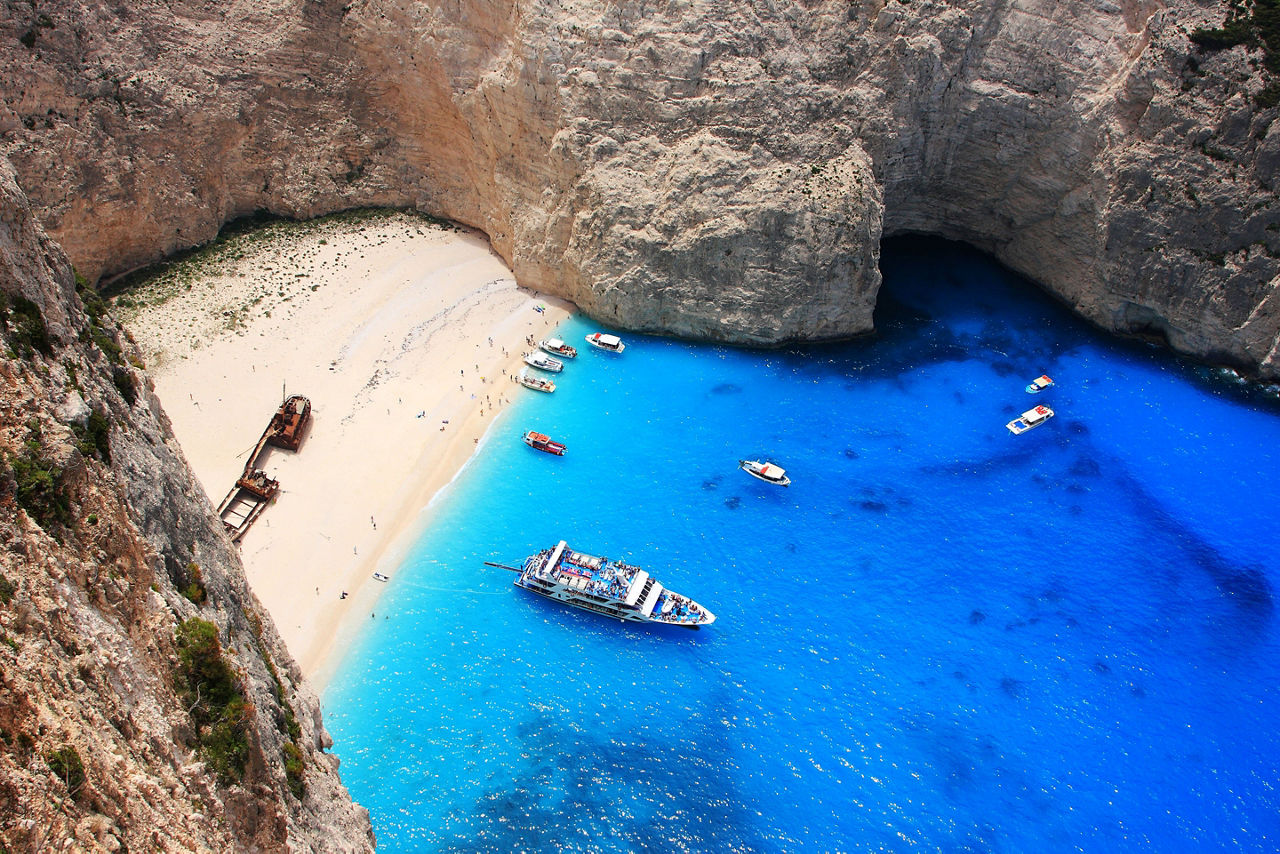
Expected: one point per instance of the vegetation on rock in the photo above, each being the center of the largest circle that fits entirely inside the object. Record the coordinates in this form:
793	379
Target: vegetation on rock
1256	25
211	692
37	487
195	585
93	438
67	766
23	326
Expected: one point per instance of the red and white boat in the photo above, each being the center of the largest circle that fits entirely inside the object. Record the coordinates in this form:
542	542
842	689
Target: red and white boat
1030	418
543	442
767	472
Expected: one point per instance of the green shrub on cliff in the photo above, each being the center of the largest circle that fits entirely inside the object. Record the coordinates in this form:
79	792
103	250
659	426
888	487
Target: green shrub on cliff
1256	25
67	766
38	491
23	326
94	438
194	589
211	692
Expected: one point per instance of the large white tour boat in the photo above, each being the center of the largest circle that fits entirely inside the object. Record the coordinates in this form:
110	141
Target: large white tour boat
607	587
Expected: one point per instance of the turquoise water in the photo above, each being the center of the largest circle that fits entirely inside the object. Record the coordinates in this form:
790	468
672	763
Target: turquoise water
940	637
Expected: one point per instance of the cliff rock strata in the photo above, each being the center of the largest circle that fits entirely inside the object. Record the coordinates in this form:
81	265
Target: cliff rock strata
709	169
107	546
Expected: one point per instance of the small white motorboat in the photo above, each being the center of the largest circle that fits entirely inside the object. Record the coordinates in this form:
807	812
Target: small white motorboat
543	361
1039	384
1030	418
556	347
767	472
609	343
536	383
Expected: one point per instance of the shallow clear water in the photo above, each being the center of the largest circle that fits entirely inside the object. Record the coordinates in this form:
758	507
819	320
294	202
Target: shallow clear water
940	637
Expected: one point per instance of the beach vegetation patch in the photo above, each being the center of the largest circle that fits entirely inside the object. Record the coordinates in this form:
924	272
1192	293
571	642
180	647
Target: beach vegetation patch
7	589
210	690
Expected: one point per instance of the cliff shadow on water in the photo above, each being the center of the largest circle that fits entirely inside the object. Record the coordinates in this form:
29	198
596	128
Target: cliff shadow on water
976	284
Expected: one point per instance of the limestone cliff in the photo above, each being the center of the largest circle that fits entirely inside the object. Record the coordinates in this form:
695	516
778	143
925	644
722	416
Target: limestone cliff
109	556
710	169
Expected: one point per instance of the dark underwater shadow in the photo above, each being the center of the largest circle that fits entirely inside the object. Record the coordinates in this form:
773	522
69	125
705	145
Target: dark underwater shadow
579	783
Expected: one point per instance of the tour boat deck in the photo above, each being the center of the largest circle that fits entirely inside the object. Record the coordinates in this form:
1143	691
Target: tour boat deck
607	586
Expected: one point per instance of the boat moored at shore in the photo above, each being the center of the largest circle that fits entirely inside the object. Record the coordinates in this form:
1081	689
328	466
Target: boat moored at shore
767	472
528	380
608	343
556	347
544	362
607	587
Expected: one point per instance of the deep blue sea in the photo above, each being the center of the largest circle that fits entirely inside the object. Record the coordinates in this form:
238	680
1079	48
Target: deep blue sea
941	637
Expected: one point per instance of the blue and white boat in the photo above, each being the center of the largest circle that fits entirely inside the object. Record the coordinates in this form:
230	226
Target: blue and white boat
607	587
1039	384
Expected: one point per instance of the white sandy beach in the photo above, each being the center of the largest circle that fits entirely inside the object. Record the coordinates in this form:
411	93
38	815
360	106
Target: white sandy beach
403	336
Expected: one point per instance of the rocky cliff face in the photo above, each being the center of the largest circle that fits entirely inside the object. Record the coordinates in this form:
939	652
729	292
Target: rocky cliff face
709	169
109	740
704	168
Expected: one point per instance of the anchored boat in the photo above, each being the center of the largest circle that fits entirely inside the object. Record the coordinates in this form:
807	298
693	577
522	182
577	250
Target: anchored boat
528	380
1030	418
767	472
543	361
1039	384
543	442
556	347
609	343
607	587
